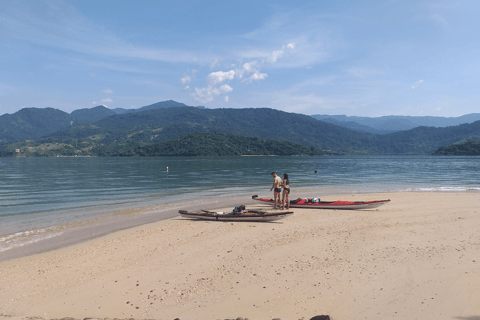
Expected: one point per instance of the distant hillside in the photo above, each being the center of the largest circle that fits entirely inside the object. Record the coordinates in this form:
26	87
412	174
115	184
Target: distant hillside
165	124
427	139
32	123
92	115
158	105
214	144
352	125
161	124
390	124
465	148
198	144
161	105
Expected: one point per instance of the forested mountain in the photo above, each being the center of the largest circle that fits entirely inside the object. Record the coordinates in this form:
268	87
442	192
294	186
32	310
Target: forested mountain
470	147
220	144
389	124
425	140
92	115
32	123
161	123
165	124
198	144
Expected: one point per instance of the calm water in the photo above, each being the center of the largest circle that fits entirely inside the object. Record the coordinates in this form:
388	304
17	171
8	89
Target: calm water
37	194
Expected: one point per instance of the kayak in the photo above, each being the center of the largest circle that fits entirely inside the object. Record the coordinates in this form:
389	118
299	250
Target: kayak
314	203
245	215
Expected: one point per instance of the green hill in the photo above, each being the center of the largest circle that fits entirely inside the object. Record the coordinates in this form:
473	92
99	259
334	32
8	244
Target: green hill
169	120
465	148
92	115
164	124
198	144
32	123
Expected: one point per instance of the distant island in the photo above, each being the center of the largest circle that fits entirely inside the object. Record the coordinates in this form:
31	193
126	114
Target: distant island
466	148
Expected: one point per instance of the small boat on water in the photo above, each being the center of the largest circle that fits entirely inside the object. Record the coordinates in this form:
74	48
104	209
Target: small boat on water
315	203
238	214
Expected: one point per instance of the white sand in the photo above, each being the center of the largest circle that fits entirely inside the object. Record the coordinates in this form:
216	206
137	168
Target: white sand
417	257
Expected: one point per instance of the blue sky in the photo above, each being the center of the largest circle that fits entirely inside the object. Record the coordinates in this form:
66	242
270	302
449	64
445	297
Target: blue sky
363	58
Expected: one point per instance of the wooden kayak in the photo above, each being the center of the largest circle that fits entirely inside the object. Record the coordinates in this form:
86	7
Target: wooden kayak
337	205
245	215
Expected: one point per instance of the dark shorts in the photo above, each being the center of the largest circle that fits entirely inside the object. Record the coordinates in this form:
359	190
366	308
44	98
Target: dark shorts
286	189
277	190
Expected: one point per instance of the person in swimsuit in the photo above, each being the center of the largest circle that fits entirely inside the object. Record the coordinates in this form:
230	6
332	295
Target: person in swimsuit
277	189
286	192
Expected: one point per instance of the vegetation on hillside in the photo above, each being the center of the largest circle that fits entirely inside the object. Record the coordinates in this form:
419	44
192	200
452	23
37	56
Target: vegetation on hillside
465	148
161	122
32	123
198	144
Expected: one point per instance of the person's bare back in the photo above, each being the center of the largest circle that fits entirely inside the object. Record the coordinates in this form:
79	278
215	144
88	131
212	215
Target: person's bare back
277	189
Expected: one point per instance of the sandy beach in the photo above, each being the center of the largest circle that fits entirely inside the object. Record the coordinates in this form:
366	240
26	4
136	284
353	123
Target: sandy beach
417	257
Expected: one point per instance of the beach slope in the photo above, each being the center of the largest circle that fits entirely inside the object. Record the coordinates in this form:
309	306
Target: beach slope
416	257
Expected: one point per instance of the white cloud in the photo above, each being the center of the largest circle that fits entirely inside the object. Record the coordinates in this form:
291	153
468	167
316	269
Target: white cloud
248	67
219	77
416	84
226	88
186	79
107	91
106	100
202	95
248	73
256	76
226	99
208	94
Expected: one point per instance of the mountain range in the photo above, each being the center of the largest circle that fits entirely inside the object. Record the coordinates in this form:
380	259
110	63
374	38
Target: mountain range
100	127
390	124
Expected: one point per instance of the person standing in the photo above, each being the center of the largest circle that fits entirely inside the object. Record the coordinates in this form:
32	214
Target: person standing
286	192
277	189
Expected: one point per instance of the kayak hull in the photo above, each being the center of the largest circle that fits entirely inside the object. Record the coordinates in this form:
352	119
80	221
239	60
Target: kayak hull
335	205
252	216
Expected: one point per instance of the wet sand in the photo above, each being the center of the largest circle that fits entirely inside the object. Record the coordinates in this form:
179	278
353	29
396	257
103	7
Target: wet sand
416	257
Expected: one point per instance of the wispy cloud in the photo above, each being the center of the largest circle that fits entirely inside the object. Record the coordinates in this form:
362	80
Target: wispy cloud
58	24
416	84
364	72
103	101
107	91
279	53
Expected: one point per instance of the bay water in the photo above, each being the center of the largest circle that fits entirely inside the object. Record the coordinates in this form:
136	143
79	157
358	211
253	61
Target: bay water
40	198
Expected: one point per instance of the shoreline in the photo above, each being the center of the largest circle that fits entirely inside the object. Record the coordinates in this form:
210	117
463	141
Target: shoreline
113	222
76	232
95	227
83	230
413	258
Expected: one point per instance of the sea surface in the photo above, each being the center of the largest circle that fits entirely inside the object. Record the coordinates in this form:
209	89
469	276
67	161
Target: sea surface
41	198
